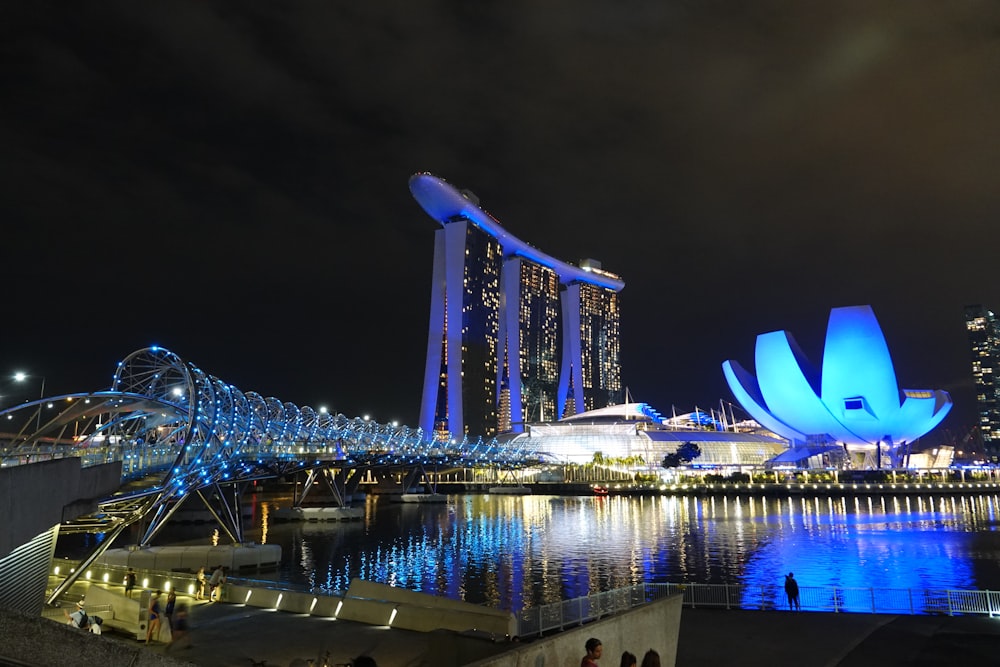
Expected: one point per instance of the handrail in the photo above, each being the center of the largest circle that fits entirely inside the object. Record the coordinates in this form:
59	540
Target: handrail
836	599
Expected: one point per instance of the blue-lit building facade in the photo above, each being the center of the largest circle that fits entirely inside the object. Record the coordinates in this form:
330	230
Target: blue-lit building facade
514	335
984	346
852	402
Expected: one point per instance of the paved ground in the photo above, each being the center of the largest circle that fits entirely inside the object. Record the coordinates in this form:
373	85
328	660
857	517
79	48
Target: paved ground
232	635
778	638
229	634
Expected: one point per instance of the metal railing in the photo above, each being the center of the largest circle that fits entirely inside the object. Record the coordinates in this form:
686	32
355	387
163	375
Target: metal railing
917	601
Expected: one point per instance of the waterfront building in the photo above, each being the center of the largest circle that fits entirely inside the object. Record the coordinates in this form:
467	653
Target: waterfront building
637	434
515	335
984	346
852	402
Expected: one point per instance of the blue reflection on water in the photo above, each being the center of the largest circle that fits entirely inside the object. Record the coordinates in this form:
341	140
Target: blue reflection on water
514	552
903	543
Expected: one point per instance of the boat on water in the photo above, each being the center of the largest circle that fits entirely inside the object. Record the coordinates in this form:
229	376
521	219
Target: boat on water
423	498
509	491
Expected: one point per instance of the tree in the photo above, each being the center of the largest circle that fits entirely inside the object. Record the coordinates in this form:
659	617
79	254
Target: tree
686	453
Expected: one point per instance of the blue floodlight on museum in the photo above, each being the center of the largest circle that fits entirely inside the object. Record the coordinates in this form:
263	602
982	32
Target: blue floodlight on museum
854	399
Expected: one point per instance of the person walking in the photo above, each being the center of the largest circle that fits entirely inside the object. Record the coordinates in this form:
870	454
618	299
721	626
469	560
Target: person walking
792	592
180	630
651	659
628	659
594	651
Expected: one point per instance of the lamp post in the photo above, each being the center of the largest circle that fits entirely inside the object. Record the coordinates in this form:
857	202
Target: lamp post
21	377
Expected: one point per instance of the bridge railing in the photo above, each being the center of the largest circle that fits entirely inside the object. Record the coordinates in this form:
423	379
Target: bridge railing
912	601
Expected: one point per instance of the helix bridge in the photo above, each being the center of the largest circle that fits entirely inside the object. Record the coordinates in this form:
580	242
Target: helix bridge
181	433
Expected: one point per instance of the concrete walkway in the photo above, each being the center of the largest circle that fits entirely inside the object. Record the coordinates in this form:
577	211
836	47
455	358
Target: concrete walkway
225	634
711	637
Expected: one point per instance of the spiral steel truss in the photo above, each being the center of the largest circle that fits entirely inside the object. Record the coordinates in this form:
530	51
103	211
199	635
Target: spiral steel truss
218	434
183	432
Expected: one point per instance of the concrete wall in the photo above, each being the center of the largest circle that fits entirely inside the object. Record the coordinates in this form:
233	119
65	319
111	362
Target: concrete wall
652	626
37	496
371	602
127	615
377	604
189	559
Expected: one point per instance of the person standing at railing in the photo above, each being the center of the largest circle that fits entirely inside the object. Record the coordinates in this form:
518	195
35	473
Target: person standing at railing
594	651
201	584
129	582
215	582
792	592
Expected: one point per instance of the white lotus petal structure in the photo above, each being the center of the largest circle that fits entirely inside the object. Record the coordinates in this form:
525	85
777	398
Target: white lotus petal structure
854	399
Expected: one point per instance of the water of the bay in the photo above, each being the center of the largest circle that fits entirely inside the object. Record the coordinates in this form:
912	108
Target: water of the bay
519	551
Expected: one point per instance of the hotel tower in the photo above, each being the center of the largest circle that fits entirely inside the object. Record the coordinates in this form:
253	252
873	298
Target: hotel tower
515	335
983	328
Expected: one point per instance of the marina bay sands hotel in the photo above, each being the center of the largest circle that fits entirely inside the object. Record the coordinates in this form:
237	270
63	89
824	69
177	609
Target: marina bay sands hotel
515	335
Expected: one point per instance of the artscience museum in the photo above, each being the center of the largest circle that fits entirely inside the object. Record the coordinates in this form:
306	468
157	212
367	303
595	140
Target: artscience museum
852	402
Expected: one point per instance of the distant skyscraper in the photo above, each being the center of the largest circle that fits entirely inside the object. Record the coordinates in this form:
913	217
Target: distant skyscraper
984	343
513	332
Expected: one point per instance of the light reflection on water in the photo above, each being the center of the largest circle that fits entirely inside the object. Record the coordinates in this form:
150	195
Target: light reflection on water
519	551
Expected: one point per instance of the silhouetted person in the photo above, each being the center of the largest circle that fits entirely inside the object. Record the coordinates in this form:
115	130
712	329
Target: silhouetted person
364	661
594	650
628	659
651	659
792	591
168	609
129	582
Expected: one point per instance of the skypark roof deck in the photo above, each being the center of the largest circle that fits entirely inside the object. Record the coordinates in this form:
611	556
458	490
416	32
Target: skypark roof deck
444	202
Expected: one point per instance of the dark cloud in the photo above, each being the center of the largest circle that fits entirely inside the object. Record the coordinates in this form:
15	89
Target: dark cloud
231	181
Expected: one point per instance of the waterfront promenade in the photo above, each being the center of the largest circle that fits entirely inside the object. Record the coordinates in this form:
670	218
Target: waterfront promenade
229	635
233	635
226	634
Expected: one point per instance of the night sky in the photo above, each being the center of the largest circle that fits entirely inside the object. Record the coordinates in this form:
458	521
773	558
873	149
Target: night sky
229	180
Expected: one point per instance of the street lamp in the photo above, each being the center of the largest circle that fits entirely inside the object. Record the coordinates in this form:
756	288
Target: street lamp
21	377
